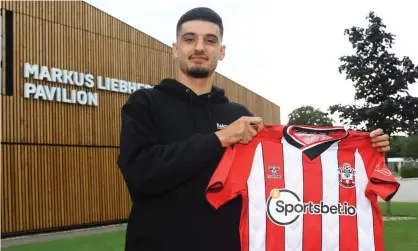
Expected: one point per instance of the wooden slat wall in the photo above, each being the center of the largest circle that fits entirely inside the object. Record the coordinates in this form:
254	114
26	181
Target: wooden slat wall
50	186
52	147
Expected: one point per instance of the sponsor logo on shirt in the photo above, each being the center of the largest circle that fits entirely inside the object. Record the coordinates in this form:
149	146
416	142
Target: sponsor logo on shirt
347	175
284	207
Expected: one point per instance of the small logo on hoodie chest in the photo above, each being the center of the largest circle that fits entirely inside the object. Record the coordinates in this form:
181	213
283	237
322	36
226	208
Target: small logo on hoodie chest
220	126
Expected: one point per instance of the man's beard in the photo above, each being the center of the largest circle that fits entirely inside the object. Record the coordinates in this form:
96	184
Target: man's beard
198	72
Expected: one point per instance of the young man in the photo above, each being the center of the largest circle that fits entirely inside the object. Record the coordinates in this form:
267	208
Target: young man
170	147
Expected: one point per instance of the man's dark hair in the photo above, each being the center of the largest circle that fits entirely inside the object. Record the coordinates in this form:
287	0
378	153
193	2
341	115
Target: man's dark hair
203	14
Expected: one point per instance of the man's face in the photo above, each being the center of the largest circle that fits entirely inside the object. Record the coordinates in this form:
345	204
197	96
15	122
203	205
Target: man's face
198	48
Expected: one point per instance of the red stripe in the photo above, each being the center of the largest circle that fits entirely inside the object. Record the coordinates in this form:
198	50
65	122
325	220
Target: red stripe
312	192
377	214
244	224
348	224
273	157
377	226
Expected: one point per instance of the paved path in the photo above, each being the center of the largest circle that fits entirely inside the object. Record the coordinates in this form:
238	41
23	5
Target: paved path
60	235
408	191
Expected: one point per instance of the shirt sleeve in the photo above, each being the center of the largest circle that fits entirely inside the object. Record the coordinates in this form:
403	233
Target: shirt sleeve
217	193
230	177
381	181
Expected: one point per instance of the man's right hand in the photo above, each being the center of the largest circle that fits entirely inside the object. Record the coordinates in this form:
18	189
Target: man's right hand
240	131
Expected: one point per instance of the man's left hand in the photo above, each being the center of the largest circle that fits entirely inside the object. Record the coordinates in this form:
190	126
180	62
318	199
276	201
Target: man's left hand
380	140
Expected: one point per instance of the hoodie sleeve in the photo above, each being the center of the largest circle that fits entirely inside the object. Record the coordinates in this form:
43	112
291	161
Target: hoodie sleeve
150	167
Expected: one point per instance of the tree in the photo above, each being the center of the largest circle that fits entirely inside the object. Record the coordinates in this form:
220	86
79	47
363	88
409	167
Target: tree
396	145
381	83
404	147
410	147
308	115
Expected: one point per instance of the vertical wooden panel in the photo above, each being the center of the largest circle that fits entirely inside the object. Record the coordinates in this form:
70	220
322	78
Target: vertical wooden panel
67	190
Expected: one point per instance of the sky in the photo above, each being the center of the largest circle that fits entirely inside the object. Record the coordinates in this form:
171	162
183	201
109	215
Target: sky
286	51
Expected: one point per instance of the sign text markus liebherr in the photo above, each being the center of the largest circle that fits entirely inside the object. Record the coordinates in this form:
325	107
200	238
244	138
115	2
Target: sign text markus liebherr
72	78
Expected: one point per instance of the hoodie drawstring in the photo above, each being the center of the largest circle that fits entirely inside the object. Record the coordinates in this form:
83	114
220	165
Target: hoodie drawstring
210	110
191	111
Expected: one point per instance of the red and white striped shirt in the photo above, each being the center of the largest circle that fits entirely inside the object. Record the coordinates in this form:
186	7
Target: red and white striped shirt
306	189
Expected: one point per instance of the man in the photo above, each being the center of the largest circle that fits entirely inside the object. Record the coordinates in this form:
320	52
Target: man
170	147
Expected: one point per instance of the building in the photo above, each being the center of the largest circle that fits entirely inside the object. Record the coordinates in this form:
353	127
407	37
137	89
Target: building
67	68
395	164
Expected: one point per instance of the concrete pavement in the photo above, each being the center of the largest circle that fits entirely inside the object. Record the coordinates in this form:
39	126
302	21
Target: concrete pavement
408	191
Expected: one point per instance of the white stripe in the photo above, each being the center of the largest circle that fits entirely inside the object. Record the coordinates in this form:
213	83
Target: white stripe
364	208
293	178
330	196
257	203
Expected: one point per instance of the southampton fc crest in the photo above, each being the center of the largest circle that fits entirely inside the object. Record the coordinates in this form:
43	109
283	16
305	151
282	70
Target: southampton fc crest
347	175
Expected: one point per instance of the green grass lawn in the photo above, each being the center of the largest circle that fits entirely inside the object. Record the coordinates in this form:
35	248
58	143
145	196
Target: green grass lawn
403	234
398	236
108	241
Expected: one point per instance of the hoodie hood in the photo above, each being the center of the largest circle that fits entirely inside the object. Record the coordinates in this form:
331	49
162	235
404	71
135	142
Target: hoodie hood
181	92
178	90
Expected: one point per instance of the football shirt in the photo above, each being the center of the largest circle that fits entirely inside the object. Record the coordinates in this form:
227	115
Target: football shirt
306	189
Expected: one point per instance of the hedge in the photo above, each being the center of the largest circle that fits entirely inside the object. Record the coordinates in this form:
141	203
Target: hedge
409	171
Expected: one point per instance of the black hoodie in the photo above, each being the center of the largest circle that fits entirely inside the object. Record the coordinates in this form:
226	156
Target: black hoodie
168	152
